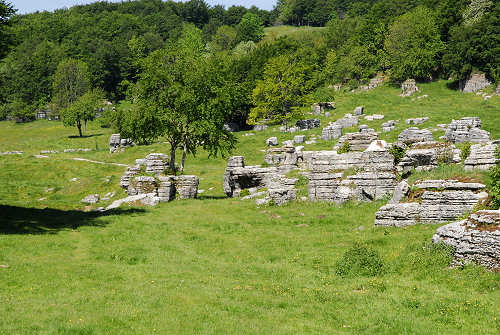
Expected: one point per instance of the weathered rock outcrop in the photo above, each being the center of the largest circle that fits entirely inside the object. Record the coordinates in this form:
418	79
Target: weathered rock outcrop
425	156
416	121
481	157
475	240
475	82
117	143
321	107
408	87
388	126
331	132
357	141
467	129
308	124
286	158
414	135
347	121
338	178
239	177
433	201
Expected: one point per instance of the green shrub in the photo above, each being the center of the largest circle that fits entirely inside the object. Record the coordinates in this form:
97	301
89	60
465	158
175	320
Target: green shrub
465	151
244	193
346	147
398	153
494	186
360	260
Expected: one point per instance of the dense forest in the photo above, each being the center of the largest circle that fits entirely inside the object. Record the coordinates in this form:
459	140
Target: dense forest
118	48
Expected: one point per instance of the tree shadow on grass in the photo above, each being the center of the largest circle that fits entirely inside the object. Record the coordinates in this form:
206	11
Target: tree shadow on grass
85	136
21	220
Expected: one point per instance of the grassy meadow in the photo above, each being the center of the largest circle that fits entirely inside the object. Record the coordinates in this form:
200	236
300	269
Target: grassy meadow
216	265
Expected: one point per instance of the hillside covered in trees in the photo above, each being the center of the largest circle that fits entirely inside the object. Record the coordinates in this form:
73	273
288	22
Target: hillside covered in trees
421	39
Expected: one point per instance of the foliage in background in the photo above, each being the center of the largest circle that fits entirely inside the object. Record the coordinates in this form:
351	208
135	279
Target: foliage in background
82	110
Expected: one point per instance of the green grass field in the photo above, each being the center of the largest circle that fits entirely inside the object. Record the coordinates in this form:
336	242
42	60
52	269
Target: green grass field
223	266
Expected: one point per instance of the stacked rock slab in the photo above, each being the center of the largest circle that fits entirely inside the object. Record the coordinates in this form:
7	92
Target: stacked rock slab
467	129
440	201
417	121
372	175
155	163
357	141
239	177
130	173
347	121
286	158
117	143
415	135
308	124
166	188
359	110
187	186
475	240
142	185
321	107
388	126
408	87
482	157
331	132
475	82
425	156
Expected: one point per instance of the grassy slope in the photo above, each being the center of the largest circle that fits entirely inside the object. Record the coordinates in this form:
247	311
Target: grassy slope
217	265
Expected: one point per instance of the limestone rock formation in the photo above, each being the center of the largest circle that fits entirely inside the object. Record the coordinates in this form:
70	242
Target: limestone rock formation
91	199
476	239
374	117
347	121
260	127
331	132
414	135
474	83
359	110
117	143
299	139
308	124
321	107
434	201
156	163
481	157
417	121
425	156
272	141
186	186
467	129
357	141
388	126
408	87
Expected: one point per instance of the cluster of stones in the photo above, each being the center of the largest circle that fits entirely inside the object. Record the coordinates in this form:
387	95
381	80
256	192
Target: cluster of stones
388	126
408	87
415	135
417	121
158	188
475	82
260	127
334	129
12	153
475	239
374	83
338	178
116	143
357	141
482	156
277	188
430	201
467	129
425	156
301	125
374	117
321	107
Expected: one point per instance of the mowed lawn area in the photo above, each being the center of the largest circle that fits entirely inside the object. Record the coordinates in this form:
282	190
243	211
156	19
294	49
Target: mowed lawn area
216	265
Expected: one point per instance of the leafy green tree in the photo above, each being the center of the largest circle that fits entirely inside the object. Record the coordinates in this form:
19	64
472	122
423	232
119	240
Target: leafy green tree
250	28
83	109
475	47
476	10
283	89
224	39
6	12
71	81
184	94
413	45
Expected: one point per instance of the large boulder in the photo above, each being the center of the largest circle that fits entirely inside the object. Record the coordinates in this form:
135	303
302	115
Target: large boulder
432	201
467	129
481	157
475	240
331	132
475	82
414	135
357	141
425	156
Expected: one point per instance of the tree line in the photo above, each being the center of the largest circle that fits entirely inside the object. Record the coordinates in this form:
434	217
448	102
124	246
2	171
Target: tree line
183	70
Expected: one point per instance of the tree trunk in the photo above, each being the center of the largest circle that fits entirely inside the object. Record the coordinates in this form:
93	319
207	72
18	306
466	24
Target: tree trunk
184	152
85	125
172	157
79	125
